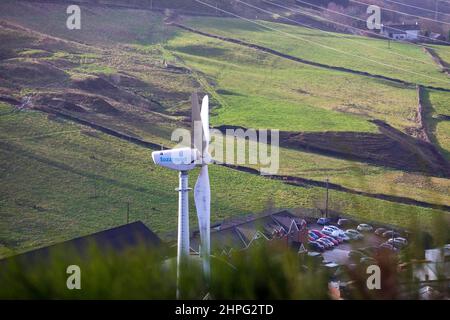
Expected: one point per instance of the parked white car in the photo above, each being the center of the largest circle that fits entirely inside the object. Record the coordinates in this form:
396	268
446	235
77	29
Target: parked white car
327	230
398	242
364	227
340	234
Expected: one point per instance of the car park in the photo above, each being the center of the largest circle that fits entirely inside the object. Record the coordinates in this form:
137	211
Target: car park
364	227
353	234
323	221
380	231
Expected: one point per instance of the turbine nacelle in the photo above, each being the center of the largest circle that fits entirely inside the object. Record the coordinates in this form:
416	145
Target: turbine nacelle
180	159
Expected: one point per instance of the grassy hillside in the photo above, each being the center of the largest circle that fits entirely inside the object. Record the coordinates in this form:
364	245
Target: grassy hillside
401	61
262	91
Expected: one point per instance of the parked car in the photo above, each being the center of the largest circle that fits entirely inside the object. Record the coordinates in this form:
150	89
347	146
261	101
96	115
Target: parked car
401	240
339	240
313	235
333	227
325	243
353	234
317	233
364	227
327	231
396	242
313	245
334	240
391	234
328	241
323	221
380	231
340	234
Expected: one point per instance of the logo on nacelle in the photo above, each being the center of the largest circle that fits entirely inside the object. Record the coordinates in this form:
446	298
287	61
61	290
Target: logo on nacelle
176	159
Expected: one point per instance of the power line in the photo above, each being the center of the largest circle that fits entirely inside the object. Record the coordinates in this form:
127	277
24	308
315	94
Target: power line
359	19
317	43
342	36
404	13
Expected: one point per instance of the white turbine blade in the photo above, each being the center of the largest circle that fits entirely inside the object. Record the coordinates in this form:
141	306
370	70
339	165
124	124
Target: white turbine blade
204	114
202	197
196	128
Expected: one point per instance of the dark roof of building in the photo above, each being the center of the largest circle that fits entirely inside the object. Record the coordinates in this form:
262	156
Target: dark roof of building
118	239
239	232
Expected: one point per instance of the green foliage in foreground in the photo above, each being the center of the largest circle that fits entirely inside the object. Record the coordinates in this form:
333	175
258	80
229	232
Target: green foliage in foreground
149	274
268	270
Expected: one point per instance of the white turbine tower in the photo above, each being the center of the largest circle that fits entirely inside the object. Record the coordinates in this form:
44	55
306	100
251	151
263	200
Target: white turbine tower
184	160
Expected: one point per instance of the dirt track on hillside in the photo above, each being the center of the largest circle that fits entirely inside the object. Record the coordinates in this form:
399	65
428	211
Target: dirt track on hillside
300	60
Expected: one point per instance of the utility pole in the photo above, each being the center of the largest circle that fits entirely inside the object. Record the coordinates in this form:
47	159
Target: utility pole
128	212
326	202
436	10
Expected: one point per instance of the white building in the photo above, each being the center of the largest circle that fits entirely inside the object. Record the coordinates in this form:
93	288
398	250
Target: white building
409	32
436	265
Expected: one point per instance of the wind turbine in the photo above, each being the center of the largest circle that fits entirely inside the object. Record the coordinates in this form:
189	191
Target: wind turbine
184	160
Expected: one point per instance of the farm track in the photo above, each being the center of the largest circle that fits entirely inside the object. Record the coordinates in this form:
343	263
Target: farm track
291	180
303	61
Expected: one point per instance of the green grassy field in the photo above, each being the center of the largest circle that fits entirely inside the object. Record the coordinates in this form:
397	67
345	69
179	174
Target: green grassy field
301	98
401	61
